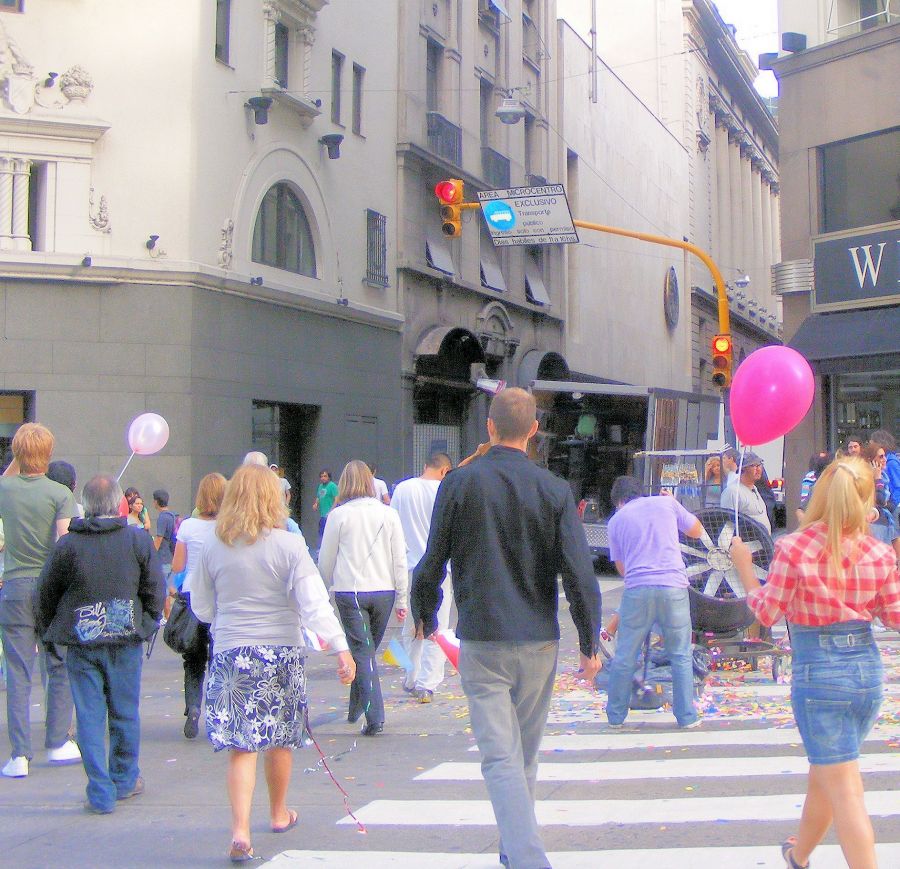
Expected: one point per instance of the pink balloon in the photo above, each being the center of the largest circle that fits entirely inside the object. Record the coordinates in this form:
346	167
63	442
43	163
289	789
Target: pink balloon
123	507
148	434
771	392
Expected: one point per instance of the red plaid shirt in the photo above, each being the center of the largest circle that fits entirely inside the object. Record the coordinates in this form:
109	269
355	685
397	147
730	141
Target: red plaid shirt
803	588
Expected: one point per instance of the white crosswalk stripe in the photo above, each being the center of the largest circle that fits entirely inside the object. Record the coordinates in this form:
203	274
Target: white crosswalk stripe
670	787
827	857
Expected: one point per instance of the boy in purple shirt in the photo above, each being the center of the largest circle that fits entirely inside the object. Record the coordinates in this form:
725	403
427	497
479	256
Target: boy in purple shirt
643	543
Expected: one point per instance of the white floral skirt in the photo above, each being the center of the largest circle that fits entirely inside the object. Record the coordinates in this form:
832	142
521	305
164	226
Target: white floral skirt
256	698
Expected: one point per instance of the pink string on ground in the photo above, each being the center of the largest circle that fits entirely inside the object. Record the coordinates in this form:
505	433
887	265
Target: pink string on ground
360	827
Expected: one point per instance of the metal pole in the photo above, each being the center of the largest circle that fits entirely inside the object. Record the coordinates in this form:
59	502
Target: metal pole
724	326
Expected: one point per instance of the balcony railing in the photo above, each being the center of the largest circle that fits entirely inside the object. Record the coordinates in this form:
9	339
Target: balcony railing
494	168
444	138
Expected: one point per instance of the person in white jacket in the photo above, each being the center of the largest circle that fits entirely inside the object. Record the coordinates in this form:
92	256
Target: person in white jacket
363	557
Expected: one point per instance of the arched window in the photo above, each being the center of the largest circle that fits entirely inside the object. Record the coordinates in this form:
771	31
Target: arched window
282	237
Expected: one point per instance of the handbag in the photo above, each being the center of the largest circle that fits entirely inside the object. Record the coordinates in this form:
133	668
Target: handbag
181	631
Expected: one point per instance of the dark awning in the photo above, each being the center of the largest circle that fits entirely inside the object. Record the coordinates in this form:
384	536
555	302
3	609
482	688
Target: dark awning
862	340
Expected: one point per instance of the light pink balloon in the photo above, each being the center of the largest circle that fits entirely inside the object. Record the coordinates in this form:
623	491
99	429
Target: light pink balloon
148	434
771	392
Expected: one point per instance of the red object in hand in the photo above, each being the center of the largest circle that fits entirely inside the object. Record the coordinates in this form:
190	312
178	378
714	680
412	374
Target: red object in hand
450	646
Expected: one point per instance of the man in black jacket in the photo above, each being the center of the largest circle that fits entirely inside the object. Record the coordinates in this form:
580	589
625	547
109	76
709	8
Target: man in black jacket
101	593
509	528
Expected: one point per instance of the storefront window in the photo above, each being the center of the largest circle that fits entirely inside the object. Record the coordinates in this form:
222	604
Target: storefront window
863	403
854	196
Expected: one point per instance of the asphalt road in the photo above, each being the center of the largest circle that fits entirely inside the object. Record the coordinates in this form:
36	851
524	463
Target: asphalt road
725	794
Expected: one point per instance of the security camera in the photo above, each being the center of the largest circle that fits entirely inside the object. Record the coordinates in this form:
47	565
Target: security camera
510	112
333	143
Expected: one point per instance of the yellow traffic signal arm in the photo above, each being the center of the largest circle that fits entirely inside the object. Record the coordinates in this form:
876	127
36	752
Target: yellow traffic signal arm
724	325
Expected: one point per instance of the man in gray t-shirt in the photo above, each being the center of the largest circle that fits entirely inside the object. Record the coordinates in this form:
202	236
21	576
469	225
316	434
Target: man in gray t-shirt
743	491
35	512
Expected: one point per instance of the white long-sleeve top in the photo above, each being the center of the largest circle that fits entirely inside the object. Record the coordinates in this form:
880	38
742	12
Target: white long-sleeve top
256	594
363	549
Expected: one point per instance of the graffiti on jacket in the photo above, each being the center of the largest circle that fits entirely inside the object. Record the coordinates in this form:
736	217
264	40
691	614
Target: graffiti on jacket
106	620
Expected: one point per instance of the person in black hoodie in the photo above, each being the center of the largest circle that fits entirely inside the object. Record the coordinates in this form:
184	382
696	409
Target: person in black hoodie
101	593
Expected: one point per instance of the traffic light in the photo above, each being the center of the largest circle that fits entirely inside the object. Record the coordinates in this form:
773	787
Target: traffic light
450	195
721	360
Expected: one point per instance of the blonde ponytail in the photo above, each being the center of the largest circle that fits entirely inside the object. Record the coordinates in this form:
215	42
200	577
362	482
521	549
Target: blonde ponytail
842	498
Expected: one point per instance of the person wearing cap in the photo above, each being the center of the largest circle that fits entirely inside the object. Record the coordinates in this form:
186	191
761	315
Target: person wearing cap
744	494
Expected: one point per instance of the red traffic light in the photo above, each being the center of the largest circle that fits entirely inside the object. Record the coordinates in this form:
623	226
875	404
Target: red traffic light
721	344
449	192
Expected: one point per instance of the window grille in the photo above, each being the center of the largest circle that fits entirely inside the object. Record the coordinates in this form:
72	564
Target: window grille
376	249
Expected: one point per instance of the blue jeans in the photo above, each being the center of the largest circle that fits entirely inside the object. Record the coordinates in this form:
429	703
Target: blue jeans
642	606
106	687
508	686
20	638
836	688
365	616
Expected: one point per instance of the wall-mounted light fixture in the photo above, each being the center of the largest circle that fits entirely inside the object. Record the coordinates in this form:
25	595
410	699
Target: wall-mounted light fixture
332	141
743	281
51	79
260	106
256	282
150	243
86	260
343	300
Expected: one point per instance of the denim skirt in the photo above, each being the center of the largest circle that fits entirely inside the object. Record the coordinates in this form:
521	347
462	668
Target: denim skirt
836	688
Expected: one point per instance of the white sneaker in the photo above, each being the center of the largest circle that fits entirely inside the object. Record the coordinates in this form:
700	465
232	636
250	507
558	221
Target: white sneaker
17	767
67	753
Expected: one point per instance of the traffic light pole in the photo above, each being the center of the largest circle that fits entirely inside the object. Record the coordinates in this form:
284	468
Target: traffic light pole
721	293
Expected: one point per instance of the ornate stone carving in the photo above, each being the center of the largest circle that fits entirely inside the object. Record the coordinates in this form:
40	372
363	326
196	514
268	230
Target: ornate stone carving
76	84
100	218
225	255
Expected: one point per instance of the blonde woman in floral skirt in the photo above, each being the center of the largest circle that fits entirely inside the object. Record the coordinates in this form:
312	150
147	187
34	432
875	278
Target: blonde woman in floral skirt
254	583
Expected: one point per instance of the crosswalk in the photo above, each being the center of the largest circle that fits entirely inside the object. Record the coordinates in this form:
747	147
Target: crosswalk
723	795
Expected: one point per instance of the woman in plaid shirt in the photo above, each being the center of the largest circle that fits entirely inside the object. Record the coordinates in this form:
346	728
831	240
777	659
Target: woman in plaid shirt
829	580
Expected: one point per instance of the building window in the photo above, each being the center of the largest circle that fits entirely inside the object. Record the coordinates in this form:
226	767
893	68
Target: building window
282	55
858	181
535	289
282	237
376	249
15	408
491	271
223	28
337	73
359	75
487	112
434	55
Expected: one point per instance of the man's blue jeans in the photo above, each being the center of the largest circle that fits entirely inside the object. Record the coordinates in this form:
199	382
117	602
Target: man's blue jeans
641	607
106	687
508	686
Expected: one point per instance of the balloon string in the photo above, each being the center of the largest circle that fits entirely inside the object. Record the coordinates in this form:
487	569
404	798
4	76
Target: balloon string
133	454
737	489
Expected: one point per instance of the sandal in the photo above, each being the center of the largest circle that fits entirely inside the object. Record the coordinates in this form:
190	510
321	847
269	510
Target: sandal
787	848
292	822
241	852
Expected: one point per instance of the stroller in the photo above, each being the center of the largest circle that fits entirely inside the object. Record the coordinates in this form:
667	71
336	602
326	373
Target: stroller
721	619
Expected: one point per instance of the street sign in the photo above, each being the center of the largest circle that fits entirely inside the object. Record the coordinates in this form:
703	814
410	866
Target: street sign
528	215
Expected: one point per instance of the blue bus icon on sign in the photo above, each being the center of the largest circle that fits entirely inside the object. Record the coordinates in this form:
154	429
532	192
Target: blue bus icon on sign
500	215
